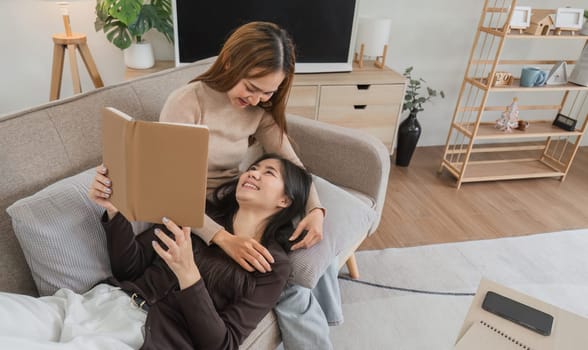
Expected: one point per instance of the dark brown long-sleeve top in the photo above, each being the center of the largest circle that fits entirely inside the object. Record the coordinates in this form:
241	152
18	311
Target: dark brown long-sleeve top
196	317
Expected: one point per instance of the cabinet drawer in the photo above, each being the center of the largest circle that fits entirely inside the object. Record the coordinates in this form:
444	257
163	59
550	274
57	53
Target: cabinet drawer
362	94
377	120
303	101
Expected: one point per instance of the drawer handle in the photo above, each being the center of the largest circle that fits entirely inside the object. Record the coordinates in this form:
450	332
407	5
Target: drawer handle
359	106
363	86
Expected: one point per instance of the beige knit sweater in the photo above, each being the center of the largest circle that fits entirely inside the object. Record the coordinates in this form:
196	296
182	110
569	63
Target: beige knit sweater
229	128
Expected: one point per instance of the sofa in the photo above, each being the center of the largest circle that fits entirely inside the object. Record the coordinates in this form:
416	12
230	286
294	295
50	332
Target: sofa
58	143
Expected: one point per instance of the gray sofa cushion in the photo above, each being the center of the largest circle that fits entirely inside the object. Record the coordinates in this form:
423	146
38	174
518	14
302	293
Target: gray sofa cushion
348	219
59	231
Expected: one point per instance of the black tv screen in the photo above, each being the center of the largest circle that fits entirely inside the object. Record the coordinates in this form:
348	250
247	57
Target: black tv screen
323	30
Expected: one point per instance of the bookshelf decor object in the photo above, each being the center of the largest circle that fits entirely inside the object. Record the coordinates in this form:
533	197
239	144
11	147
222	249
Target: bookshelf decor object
558	74
476	150
568	19
521	18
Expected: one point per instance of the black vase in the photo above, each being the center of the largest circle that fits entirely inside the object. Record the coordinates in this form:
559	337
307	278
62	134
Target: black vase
409	132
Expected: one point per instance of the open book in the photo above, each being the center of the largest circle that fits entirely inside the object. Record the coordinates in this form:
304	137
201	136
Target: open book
157	169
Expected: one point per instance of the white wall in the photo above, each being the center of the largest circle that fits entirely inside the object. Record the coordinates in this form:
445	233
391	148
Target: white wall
433	36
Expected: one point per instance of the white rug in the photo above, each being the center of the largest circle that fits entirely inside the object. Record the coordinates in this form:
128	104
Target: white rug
552	267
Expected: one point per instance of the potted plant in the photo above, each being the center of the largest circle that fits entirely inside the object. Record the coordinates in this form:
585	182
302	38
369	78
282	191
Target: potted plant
409	130
126	21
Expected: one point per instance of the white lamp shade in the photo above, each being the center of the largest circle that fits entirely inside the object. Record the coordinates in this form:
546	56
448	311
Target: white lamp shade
63	6
373	33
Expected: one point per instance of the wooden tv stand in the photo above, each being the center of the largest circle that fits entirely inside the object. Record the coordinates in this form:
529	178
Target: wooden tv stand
369	99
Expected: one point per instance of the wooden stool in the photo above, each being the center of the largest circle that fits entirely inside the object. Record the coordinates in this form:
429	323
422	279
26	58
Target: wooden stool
72	42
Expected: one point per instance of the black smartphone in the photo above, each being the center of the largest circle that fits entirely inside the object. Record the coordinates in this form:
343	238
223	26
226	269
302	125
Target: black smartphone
524	315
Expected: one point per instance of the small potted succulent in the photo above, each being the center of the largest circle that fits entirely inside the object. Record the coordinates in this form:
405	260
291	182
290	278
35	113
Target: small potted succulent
409	131
126	21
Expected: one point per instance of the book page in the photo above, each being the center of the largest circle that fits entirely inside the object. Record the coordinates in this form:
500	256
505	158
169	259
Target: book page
115	127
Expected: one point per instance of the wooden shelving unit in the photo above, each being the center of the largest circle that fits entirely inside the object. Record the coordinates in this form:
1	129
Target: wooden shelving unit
476	150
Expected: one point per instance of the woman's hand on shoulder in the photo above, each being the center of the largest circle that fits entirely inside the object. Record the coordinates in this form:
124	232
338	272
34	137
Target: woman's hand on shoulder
246	251
101	190
313	224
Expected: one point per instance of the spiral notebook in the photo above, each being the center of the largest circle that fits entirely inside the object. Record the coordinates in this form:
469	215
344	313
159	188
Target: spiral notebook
482	335
483	330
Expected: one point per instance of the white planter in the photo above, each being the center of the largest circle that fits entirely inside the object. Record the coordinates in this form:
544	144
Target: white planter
139	56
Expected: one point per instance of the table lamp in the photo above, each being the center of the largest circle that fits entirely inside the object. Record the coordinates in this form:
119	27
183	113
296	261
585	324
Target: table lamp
72	42
372	39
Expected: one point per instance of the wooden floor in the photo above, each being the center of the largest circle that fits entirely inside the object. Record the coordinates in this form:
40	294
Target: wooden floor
423	207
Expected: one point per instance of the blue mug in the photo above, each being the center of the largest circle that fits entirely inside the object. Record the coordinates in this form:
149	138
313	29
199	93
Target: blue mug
532	76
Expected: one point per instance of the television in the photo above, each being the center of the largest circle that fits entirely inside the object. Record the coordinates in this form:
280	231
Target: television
323	31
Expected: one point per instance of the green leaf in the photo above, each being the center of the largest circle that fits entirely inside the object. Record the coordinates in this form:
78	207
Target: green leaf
413	100
125	11
118	34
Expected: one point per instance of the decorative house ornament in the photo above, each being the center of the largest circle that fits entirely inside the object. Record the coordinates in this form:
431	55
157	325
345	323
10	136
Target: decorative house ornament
558	74
521	18
541	22
569	19
501	79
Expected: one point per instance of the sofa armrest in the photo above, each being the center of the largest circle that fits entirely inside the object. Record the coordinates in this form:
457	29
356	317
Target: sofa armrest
346	157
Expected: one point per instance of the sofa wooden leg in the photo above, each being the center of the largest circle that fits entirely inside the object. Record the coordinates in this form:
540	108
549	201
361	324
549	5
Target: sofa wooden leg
352	267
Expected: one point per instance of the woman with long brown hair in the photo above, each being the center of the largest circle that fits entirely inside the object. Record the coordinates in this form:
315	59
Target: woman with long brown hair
242	99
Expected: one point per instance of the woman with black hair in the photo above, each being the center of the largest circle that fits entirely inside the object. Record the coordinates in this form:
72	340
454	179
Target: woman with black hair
197	297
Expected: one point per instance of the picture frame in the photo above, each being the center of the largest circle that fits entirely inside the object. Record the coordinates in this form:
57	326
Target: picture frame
521	17
569	18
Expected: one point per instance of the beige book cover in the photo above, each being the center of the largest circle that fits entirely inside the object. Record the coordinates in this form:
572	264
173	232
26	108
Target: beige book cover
157	169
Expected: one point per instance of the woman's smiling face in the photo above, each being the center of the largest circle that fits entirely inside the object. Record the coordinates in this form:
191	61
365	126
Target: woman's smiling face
262	186
252	91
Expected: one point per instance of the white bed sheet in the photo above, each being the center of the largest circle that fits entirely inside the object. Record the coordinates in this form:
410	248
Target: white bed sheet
101	319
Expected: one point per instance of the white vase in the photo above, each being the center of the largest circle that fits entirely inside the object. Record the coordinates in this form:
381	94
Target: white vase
139	56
